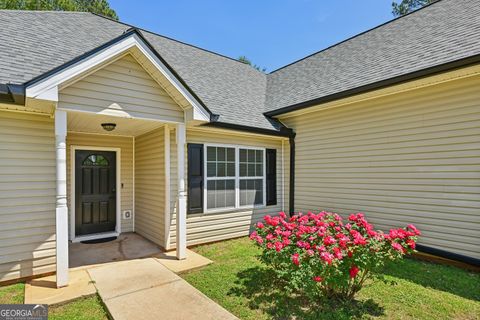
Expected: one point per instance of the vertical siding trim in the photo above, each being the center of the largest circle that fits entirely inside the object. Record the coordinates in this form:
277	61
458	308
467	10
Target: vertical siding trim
167	185
133	187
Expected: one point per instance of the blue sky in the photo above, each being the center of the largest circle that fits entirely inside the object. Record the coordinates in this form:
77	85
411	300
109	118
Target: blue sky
271	33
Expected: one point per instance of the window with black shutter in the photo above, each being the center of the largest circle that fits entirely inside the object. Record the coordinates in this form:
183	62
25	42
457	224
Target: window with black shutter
195	178
271	176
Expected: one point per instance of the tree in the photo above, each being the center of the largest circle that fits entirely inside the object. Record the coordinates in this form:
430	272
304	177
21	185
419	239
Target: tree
245	60
407	6
101	7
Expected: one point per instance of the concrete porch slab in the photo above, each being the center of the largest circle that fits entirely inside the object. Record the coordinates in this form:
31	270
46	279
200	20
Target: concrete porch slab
126	246
192	262
146	289
44	290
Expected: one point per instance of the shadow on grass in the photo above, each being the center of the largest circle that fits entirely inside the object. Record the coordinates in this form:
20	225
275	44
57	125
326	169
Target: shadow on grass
445	278
264	292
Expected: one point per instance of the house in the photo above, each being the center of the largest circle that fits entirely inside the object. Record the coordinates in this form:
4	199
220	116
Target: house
106	129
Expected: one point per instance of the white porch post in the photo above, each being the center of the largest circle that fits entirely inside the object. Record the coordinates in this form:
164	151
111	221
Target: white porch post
182	198
61	203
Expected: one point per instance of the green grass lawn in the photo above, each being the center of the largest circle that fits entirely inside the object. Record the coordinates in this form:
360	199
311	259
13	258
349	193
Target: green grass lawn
241	284
90	308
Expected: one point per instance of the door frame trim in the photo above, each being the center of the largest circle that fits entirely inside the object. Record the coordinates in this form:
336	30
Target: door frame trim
118	223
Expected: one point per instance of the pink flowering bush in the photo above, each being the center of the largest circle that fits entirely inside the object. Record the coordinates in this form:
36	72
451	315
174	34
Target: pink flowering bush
320	254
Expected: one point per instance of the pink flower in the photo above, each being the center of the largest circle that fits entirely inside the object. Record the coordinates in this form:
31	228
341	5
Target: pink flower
253	235
278	246
358	239
397	246
354	271
326	256
317	279
337	252
282	215
414	229
411	244
296	259
259	240
270	236
329	240
260	225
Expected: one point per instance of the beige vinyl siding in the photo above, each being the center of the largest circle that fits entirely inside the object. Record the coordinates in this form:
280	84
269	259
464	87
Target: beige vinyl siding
122	88
27	195
150	186
208	227
411	157
126	170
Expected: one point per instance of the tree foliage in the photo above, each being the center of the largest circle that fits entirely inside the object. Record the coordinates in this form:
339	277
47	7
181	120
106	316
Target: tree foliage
407	6
245	60
101	7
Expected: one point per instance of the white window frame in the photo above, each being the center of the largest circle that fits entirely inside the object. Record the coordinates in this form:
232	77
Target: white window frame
237	178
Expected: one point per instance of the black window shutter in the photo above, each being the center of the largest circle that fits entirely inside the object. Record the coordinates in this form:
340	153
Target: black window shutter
195	178
271	178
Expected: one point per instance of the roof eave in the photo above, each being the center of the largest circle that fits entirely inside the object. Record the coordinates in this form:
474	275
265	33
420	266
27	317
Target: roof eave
282	132
449	66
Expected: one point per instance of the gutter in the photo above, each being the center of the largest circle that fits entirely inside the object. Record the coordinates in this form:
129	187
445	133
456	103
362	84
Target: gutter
449	66
12	93
291	193
283	132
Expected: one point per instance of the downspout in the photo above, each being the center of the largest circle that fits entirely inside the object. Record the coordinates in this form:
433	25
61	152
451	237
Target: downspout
291	193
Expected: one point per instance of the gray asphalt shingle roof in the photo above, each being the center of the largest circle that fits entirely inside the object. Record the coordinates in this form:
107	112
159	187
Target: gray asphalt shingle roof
35	42
445	31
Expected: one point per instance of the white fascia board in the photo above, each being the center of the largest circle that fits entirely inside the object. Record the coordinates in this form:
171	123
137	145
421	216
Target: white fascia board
47	89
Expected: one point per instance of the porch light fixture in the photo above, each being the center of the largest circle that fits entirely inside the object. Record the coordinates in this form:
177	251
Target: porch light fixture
109	126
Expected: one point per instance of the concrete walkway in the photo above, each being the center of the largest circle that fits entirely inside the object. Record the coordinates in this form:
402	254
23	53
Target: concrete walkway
146	289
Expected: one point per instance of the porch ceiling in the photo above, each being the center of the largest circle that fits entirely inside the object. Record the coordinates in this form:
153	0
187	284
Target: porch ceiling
92	123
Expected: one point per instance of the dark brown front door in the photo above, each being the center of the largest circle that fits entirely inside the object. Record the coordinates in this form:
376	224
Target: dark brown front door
95	194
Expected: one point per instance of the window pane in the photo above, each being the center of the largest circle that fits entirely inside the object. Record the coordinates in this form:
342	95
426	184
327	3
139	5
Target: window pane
220	194
95	160
231	169
221	169
211	154
259	170
251	192
231	154
221	154
211	169
259	156
243	169
251	155
210	194
251	170
230	193
243	155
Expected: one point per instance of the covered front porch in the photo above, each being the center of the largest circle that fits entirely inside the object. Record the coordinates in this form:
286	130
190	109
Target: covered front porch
118	183
120	115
